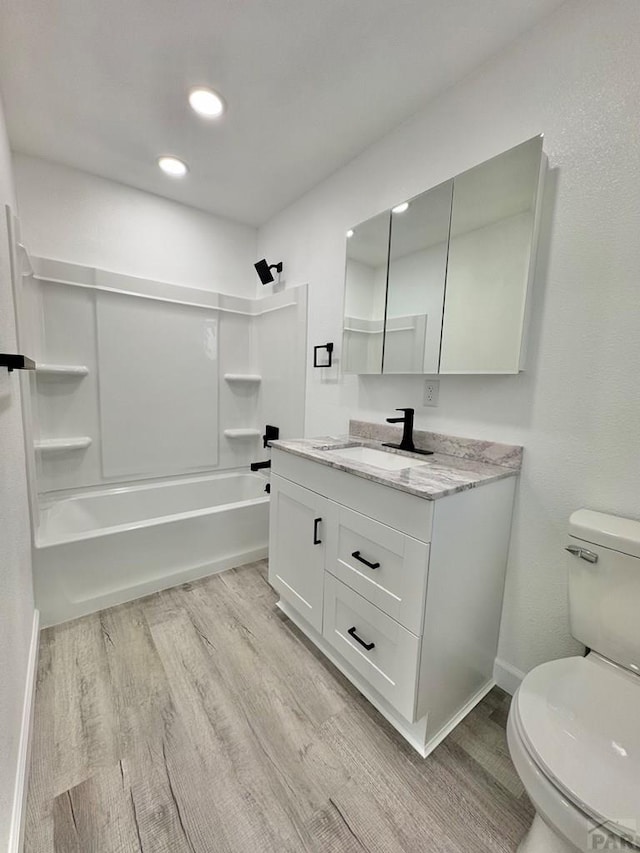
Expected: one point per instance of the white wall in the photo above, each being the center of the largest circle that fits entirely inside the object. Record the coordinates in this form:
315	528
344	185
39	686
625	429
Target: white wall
576	78
16	596
73	216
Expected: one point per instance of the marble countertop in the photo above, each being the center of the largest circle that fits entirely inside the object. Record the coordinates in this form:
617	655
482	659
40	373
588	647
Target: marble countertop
436	477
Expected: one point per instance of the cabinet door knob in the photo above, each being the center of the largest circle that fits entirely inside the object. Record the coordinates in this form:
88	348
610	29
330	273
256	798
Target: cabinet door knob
316	539
367	646
356	554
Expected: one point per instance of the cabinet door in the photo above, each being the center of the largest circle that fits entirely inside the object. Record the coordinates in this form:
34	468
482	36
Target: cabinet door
297	525
416	278
365	295
494	225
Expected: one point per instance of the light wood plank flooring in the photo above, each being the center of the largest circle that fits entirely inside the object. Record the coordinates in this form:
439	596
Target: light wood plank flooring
201	720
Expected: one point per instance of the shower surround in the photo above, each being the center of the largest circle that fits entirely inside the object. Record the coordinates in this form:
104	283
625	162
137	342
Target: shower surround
148	404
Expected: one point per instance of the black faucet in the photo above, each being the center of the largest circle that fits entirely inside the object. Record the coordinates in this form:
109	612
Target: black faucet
256	466
407	434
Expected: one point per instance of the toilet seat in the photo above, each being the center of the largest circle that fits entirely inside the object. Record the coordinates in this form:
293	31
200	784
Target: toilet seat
579	719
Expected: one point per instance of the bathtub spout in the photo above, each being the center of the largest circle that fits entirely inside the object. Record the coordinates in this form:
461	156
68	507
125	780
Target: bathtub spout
256	466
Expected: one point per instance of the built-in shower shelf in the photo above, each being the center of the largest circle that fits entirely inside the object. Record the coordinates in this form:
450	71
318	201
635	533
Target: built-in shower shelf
379	331
242	433
49	445
247	378
78	370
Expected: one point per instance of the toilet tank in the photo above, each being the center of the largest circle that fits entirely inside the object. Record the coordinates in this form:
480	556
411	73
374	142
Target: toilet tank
604	585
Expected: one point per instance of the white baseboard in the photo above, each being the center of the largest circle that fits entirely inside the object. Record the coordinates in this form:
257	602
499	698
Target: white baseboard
507	676
16	836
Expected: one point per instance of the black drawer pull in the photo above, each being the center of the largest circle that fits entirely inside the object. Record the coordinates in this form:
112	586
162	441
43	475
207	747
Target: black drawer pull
356	554
367	646
316	539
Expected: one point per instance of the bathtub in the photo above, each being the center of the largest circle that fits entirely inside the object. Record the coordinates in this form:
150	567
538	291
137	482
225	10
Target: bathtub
97	549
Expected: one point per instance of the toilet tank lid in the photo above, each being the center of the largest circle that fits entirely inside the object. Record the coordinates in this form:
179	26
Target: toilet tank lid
609	531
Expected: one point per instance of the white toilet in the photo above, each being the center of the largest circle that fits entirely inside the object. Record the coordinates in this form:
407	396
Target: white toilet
574	724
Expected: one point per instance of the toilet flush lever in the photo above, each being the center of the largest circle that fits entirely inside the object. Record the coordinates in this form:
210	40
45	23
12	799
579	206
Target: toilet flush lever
583	553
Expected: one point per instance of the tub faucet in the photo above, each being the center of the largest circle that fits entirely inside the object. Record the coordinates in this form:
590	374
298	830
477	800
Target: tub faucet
407	433
256	466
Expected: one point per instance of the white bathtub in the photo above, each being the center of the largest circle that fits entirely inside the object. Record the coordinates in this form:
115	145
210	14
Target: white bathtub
106	547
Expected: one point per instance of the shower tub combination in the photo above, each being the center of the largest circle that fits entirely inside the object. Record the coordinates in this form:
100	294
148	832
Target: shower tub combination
106	547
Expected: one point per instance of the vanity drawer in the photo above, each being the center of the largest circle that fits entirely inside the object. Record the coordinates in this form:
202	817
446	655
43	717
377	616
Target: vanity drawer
386	654
386	567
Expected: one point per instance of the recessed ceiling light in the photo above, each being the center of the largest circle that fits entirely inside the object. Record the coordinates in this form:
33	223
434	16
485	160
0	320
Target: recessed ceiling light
400	208
206	102
173	167
350	233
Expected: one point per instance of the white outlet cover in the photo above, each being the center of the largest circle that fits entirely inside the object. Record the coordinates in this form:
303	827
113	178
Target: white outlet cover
431	392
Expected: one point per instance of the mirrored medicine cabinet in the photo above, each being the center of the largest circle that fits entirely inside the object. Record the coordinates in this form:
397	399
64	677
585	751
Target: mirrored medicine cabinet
439	283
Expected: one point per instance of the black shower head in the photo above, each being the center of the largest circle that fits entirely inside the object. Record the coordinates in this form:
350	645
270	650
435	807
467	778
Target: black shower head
264	270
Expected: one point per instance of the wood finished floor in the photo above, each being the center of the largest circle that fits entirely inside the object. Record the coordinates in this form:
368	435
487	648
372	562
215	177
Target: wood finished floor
201	720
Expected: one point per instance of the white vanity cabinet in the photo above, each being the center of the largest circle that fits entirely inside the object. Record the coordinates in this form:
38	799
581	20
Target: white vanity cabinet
403	594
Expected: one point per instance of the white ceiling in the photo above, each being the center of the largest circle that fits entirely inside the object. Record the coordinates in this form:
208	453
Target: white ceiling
101	84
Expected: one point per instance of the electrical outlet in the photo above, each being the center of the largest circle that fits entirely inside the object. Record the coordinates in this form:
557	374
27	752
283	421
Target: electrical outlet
431	392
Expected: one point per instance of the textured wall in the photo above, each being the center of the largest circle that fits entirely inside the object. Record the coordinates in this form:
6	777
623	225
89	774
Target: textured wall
576	78
16	597
73	216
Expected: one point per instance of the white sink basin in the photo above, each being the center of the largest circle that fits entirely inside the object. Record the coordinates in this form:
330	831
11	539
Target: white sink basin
378	458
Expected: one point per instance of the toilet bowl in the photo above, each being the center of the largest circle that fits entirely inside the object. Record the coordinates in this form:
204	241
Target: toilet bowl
574	737
574	724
